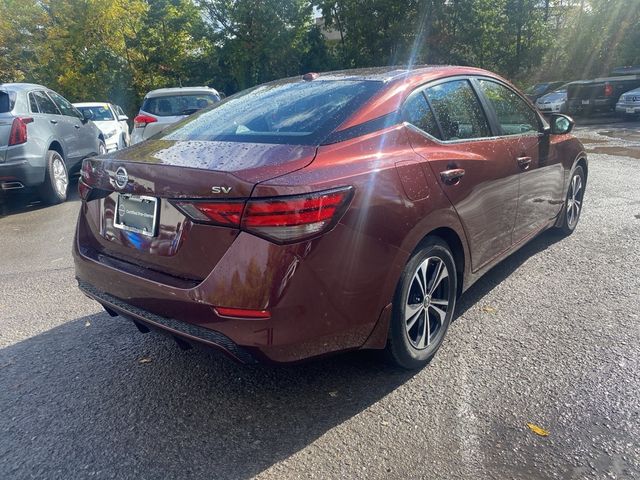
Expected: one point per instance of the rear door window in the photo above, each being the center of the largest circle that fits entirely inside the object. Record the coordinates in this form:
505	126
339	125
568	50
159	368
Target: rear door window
417	112
514	114
64	105
458	111
45	104
33	105
175	105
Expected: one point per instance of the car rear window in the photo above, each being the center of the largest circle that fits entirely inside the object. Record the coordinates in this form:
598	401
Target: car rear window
100	113
296	112
7	100
174	105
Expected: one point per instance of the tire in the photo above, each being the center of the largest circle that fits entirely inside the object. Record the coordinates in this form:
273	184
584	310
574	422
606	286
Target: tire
413	341
56	179
573	203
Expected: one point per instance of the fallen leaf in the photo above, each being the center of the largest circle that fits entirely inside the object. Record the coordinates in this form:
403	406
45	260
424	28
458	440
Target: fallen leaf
333	394
489	309
144	360
538	430
87	323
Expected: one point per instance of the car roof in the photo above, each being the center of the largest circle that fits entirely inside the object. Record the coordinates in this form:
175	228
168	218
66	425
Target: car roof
92	104
162	92
384	74
23	86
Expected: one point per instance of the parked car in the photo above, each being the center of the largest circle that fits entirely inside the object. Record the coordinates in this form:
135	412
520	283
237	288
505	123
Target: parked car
553	102
629	103
539	89
601	94
111	121
43	138
163	107
332	212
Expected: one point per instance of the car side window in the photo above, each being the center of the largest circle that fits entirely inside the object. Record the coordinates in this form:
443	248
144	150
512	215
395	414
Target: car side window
45	104
33	105
458	110
514	115
64	105
416	111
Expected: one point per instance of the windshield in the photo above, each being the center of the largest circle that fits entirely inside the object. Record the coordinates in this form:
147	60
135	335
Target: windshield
297	112
175	105
537	89
100	113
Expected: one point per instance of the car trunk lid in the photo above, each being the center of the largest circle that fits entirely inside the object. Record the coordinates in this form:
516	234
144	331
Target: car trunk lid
166	172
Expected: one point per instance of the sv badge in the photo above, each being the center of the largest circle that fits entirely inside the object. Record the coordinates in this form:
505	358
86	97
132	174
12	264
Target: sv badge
220	189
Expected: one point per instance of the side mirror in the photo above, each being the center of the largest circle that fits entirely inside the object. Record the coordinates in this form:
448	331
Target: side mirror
561	124
87	115
122	118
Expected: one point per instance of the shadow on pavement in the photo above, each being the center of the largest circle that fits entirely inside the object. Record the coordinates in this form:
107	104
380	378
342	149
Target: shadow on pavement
77	402
18	201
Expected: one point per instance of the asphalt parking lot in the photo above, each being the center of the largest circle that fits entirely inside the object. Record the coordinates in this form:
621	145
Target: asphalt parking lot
551	336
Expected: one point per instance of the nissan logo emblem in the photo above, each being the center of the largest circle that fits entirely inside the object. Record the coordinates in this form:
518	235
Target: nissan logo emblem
122	178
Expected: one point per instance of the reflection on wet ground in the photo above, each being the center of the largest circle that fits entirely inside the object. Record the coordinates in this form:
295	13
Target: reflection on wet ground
621	139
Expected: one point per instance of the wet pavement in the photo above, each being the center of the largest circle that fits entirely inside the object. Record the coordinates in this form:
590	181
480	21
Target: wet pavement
550	337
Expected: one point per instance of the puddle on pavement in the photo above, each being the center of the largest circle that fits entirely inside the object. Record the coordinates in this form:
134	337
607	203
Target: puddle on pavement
630	151
622	134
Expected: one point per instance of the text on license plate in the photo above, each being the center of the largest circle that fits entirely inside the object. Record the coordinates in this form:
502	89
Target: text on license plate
136	213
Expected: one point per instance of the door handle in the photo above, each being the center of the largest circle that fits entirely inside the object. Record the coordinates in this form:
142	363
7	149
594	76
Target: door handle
452	176
524	162
77	126
53	121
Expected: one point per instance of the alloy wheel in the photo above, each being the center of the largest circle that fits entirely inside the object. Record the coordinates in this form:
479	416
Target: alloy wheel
574	201
427	302
60	179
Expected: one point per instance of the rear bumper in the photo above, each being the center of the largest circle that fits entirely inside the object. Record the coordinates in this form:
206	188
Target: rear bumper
315	310
593	104
20	173
170	326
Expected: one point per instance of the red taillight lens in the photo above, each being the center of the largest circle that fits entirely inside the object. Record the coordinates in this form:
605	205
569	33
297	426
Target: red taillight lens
608	90
281	219
18	134
142	120
227	214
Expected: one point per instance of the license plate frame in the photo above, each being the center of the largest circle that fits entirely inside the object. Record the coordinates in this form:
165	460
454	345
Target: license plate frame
142	220
630	110
585	102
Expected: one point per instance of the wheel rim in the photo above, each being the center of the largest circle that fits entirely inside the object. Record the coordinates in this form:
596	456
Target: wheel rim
427	303
60	179
574	201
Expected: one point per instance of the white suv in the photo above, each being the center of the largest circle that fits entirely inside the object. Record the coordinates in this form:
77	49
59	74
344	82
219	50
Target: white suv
111	121
166	106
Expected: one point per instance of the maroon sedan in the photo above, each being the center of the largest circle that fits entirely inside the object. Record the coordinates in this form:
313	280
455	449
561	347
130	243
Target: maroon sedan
331	212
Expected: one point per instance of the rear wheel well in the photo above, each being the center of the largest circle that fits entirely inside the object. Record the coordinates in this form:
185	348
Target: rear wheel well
451	238
55	146
583	163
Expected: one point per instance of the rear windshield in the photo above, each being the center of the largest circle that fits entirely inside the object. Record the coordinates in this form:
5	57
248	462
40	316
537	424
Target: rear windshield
298	112
7	101
537	89
100	113
170	106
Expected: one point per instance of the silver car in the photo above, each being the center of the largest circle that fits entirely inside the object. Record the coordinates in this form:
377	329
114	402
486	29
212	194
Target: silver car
553	102
43	138
166	106
629	103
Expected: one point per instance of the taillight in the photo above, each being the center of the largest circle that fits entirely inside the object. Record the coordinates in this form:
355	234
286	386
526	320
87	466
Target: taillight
18	134
226	214
608	90
142	120
281	219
